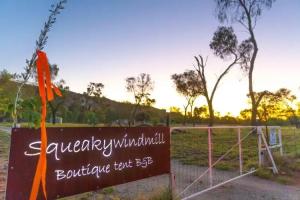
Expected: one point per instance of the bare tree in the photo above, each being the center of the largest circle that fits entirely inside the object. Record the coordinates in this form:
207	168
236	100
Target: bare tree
140	86
188	85
246	13
224	44
39	45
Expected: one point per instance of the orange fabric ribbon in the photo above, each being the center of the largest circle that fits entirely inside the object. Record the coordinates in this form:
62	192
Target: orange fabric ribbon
46	93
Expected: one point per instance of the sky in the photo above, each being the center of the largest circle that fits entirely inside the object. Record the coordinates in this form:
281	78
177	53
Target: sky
108	41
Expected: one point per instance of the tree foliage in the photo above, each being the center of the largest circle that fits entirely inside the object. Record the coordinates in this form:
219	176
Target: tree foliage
57	103
141	87
95	89
188	85
5	76
201	112
224	42
225	45
246	13
272	105
276	105
241	10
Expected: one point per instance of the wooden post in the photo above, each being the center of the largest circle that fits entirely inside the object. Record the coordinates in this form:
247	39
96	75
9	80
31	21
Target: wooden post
172	187
168	119
94	197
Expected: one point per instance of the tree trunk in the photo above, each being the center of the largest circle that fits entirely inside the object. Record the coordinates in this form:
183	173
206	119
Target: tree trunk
132	118
53	116
185	115
251	92
252	61
192	116
53	112
211	114
253	114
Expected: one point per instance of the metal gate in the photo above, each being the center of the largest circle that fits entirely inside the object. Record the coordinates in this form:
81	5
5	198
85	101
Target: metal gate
205	158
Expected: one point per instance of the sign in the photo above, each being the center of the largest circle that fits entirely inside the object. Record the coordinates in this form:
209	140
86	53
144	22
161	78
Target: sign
273	137
86	159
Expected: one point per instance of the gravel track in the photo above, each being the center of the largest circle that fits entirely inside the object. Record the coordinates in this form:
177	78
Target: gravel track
246	188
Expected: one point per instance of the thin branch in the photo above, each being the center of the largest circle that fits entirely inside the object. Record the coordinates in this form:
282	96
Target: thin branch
40	44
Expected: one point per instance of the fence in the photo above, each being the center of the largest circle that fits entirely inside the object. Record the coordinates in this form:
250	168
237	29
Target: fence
189	151
204	158
291	141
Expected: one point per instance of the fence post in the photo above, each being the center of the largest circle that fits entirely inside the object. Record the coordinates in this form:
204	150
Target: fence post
172	186
259	132
209	157
275	170
94	195
240	151
280	141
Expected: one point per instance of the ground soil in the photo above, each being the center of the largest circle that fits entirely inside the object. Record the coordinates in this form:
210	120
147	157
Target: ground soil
246	188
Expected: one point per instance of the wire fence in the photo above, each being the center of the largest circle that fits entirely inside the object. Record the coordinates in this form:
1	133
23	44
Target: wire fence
204	157
291	141
189	153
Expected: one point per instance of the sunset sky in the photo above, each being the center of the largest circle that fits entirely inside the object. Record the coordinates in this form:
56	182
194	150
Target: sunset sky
107	41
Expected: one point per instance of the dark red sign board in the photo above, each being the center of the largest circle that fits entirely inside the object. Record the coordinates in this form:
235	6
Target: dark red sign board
86	159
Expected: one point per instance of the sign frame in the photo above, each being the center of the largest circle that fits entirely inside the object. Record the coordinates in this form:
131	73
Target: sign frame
107	165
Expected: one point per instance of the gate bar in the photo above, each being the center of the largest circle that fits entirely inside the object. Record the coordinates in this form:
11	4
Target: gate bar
218	160
275	170
218	185
259	149
210	157
240	151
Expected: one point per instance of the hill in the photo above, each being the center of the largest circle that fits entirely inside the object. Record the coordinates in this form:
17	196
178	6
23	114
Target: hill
77	108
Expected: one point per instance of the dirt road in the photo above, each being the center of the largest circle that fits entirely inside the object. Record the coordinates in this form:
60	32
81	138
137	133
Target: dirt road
247	188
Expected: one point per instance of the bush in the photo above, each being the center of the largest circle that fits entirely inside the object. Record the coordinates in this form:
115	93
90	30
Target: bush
91	118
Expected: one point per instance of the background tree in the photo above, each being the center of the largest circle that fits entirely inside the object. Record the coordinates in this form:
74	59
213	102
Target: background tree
4	102
245	114
188	85
224	45
95	89
201	112
276	105
174	109
92	108
30	111
40	44
57	103
294	119
92	90
175	115
5	76
142	117
140	86
246	13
